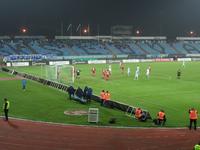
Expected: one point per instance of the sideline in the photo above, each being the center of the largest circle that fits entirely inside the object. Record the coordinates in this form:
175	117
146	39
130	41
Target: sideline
93	126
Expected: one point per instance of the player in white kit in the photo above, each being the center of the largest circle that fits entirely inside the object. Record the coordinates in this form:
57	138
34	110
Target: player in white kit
110	69
137	72
128	71
183	64
148	73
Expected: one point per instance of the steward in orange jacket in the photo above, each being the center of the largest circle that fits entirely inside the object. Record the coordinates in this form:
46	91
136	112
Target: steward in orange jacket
193	118
161	118
107	98
102	96
138	113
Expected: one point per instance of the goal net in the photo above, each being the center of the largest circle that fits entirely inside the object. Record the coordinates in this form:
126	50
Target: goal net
60	73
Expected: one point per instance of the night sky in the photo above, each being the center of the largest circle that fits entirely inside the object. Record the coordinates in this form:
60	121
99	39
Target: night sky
154	17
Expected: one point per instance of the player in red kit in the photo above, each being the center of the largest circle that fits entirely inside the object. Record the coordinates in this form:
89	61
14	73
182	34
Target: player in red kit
107	74
122	67
93	71
103	74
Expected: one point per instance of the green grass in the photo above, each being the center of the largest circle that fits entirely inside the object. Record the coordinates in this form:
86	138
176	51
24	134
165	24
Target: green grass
4	75
42	103
162	91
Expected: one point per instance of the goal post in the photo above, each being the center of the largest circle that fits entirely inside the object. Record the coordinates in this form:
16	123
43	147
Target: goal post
59	73
65	73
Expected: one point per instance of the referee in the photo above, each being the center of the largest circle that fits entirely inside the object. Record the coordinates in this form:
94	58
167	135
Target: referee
6	106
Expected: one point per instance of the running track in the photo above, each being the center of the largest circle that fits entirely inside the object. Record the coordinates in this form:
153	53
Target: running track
28	135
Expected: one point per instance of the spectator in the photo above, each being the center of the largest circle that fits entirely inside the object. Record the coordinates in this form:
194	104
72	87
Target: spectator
71	91
89	94
85	91
79	92
79	95
144	116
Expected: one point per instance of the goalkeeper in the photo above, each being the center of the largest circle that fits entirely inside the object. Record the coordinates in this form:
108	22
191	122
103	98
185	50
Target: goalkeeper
78	73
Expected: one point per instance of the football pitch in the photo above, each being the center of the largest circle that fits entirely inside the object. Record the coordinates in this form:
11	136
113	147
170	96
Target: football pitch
162	91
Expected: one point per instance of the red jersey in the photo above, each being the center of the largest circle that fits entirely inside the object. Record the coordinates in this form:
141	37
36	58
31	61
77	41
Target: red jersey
93	70
193	114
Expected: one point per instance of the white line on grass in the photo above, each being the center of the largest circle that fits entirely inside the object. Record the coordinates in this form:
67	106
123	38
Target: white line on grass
91	126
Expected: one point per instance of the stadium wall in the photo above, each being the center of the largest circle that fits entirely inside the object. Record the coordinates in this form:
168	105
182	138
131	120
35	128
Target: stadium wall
97	61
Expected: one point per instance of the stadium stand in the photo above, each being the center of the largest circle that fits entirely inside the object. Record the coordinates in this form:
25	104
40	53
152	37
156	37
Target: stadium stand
94	46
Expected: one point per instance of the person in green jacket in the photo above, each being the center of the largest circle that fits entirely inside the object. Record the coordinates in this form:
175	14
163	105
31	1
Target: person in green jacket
6	106
197	146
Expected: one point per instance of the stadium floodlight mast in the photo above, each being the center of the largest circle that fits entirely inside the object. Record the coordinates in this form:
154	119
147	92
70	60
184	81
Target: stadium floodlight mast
68	28
78	28
83	30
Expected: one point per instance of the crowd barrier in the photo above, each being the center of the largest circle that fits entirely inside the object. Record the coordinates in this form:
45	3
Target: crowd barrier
120	106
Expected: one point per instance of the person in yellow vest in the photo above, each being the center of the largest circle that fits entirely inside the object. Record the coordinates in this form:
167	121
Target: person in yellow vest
6	106
138	113
161	118
193	118
197	146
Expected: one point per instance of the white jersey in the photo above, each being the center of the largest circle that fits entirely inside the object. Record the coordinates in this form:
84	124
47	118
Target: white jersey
128	71
136	74
149	69
110	68
120	63
183	64
147	72
137	70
